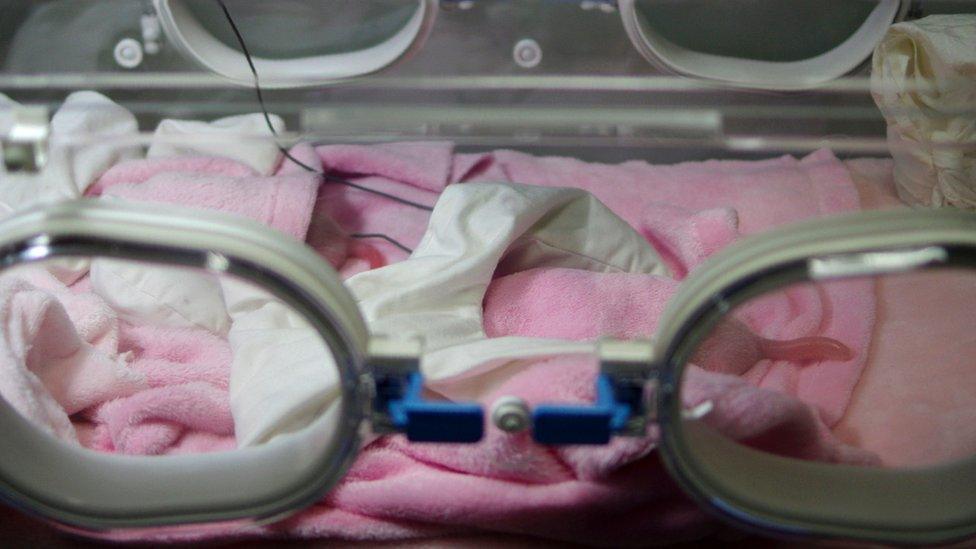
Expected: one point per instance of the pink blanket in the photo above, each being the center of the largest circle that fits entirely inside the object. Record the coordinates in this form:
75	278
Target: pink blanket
611	495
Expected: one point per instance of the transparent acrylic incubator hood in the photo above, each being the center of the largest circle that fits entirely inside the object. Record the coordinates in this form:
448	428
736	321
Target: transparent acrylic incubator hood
245	243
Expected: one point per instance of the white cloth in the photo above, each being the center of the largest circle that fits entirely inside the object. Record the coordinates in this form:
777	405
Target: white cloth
245	138
924	82
58	351
160	295
283	376
436	295
72	165
179	297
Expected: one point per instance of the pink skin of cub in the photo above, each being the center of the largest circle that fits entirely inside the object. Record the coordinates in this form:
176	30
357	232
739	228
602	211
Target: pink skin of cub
732	348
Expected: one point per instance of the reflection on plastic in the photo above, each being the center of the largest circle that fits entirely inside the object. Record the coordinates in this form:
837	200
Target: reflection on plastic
877	371
141	359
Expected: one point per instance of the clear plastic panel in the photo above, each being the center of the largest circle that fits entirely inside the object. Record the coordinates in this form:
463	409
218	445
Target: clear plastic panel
805	28
842	405
870	371
290	28
545	77
140	359
591	93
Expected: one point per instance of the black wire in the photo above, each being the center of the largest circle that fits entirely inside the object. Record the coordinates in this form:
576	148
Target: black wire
384	237
394	198
328	177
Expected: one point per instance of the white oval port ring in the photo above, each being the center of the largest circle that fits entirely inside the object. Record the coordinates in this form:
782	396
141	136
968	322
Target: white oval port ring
770	75
186	32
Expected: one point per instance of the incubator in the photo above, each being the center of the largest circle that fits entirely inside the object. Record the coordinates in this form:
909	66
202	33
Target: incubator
609	272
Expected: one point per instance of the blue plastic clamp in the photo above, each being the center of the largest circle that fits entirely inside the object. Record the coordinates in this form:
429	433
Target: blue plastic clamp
571	424
424	420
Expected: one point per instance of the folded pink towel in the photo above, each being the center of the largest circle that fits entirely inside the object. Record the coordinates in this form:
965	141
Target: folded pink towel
140	171
187	372
57	354
283	202
287	202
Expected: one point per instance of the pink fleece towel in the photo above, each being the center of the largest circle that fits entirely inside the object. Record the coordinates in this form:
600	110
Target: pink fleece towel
571	304
613	495
58	351
185	406
283	202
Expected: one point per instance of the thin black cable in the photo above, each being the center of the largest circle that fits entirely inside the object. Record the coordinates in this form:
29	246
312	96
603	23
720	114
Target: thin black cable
384	237
267	120
328	177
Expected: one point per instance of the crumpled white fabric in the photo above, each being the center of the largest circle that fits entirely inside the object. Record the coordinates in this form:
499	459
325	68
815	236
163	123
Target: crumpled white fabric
178	297
283	376
160	295
72	166
924	82
245	138
436	295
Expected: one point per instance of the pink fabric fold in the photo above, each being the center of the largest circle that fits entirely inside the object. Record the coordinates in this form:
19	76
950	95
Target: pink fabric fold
425	165
685	238
575	304
152	421
56	353
140	171
283	202
187	372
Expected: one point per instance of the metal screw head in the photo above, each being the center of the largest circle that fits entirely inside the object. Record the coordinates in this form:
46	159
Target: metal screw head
527	53
511	414
128	53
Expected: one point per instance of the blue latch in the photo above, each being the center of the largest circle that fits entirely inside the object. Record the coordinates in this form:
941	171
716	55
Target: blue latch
434	421
399	406
619	408
570	424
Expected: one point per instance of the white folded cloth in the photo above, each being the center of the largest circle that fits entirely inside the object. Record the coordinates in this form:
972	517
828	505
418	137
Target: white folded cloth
924	82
